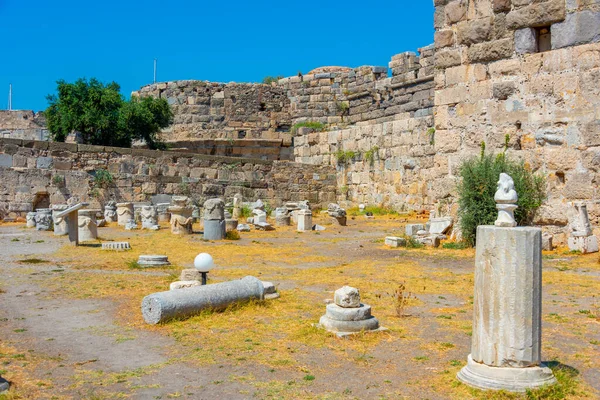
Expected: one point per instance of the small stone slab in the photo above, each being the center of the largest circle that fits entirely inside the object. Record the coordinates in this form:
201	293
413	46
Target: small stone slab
440	225
153	260
337	313
116	246
263	226
394	241
184	284
318	228
243	228
585	245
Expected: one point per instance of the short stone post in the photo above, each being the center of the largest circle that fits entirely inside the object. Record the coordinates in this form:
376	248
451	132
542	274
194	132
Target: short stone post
30	219
43	219
304	220
181	216
61	227
506	344
110	212
214	219
124	213
149	217
87	225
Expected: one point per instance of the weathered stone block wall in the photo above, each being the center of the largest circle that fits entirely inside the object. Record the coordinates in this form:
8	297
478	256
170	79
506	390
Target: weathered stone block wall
387	155
209	110
23	124
34	173
492	81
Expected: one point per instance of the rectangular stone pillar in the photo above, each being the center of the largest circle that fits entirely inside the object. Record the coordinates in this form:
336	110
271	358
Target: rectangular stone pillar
508	297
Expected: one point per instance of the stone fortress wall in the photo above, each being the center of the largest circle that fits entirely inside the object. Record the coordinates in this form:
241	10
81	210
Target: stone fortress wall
23	124
529	69
35	174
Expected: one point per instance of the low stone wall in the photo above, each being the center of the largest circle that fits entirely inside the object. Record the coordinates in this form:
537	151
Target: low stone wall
34	174
263	149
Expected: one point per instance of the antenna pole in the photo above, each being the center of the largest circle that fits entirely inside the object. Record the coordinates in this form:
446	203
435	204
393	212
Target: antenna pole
9	96
155	70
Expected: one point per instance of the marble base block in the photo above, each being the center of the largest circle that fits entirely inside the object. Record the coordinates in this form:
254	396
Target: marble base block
584	244
510	379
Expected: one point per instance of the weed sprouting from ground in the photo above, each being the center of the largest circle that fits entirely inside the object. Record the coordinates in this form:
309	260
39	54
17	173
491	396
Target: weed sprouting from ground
401	297
232	235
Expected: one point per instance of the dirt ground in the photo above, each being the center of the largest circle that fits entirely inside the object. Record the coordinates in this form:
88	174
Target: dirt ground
71	325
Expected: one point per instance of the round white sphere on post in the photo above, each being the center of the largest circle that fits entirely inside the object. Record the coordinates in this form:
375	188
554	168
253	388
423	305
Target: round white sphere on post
204	262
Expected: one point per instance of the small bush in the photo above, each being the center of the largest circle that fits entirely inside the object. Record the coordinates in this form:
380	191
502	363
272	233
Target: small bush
102	178
267	80
344	157
479	184
232	235
375	210
58	180
413	243
370	154
316	125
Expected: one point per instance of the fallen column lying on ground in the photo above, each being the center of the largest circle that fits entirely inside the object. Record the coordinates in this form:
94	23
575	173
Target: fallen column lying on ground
164	306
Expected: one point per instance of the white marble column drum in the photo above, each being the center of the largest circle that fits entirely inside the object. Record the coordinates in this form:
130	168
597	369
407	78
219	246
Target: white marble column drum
507	307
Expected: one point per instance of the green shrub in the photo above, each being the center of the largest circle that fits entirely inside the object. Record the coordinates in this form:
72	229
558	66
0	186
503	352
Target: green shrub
102	178
232	235
479	184
370	154
267	80
316	125
344	157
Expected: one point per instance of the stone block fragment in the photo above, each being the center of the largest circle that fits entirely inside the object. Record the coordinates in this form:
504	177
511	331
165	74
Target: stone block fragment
578	28
525	41
394	241
413	229
347	297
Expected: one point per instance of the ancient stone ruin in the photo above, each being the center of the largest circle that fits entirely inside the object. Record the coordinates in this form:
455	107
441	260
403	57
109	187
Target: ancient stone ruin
507	306
347	315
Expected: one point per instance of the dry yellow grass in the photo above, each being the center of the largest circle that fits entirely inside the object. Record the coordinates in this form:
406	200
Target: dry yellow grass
279	334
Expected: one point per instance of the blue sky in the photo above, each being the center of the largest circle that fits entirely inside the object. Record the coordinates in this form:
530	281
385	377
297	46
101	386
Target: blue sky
223	41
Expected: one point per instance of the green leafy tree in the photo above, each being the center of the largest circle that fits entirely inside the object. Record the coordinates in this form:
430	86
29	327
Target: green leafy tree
98	112
142	118
479	184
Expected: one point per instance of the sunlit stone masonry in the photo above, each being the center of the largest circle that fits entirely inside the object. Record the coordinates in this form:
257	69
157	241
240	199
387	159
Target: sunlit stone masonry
507	324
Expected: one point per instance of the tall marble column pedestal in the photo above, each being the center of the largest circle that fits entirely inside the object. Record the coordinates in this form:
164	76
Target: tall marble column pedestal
506	344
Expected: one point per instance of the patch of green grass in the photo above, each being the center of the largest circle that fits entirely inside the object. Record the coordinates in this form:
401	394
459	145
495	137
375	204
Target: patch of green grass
316	125
20	330
413	243
133	265
421	358
15	240
444	316
309	377
455	245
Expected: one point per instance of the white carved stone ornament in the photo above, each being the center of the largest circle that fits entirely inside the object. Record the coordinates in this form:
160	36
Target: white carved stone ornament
506	201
